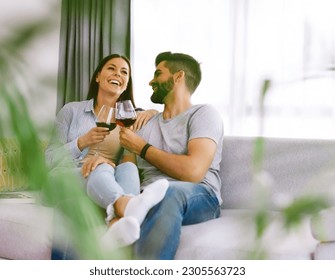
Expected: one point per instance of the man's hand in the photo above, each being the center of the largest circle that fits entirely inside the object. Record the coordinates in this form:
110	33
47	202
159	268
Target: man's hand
92	163
93	136
131	141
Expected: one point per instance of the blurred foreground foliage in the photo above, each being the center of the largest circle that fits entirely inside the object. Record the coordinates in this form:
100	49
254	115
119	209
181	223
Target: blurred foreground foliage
60	188
294	212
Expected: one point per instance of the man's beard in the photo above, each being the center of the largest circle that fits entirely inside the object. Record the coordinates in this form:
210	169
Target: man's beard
162	91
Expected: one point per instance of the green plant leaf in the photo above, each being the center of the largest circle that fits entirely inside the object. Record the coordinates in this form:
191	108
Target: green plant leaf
258	154
302	207
261	222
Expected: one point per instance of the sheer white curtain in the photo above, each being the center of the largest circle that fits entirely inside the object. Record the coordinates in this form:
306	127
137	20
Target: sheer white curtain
241	43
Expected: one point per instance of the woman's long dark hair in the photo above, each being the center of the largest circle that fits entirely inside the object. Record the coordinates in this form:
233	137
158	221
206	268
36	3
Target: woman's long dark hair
94	86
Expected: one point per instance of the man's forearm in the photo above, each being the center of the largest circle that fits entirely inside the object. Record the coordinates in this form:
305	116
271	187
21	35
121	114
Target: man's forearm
180	167
191	167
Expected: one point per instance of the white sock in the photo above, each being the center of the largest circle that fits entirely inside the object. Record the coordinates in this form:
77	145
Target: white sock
110	213
122	233
139	206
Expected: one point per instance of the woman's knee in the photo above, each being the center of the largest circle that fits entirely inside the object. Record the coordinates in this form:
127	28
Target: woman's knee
126	169
99	173
127	165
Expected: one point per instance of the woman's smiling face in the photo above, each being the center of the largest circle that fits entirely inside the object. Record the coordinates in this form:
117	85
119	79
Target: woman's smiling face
114	76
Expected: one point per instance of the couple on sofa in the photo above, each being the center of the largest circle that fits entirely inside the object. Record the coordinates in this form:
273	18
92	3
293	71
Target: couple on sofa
178	152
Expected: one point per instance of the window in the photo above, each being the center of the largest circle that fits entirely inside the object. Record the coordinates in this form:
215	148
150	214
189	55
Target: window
240	44
186	26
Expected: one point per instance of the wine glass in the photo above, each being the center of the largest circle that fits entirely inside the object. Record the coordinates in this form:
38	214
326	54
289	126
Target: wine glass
106	117
125	113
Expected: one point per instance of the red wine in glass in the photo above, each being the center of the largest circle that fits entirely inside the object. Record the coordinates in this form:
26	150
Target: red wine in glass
106	117
110	126
125	122
125	113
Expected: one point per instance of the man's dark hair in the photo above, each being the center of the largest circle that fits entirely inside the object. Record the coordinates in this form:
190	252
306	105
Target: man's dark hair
182	62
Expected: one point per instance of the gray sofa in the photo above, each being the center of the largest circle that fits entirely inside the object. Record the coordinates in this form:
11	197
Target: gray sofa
292	168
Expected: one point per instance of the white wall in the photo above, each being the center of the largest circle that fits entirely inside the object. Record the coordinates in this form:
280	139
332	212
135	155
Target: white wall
38	74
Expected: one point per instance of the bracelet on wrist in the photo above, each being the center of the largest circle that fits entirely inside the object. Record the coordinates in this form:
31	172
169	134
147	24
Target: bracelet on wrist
139	109
144	150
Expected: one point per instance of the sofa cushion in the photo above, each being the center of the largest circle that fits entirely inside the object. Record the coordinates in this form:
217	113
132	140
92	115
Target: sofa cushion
25	231
323	225
232	237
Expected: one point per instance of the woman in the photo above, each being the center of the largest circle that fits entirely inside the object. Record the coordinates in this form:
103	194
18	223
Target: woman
111	183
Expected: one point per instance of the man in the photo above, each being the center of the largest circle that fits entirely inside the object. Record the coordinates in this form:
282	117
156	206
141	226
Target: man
182	144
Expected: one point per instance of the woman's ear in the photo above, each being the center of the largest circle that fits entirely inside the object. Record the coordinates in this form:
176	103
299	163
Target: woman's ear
97	78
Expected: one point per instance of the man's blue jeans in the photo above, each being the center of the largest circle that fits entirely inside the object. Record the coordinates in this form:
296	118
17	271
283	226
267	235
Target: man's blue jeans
184	204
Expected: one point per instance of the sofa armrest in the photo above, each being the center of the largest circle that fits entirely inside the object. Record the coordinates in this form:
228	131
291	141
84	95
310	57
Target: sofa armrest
26	231
325	251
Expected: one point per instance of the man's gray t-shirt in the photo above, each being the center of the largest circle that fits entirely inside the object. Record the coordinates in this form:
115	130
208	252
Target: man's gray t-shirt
173	135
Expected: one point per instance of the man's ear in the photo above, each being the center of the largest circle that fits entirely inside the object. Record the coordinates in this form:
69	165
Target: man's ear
180	75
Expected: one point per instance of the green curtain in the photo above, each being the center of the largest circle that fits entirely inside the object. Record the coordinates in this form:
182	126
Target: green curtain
90	30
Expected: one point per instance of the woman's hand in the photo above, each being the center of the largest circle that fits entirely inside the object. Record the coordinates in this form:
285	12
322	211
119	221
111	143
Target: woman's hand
93	136
92	162
142	118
